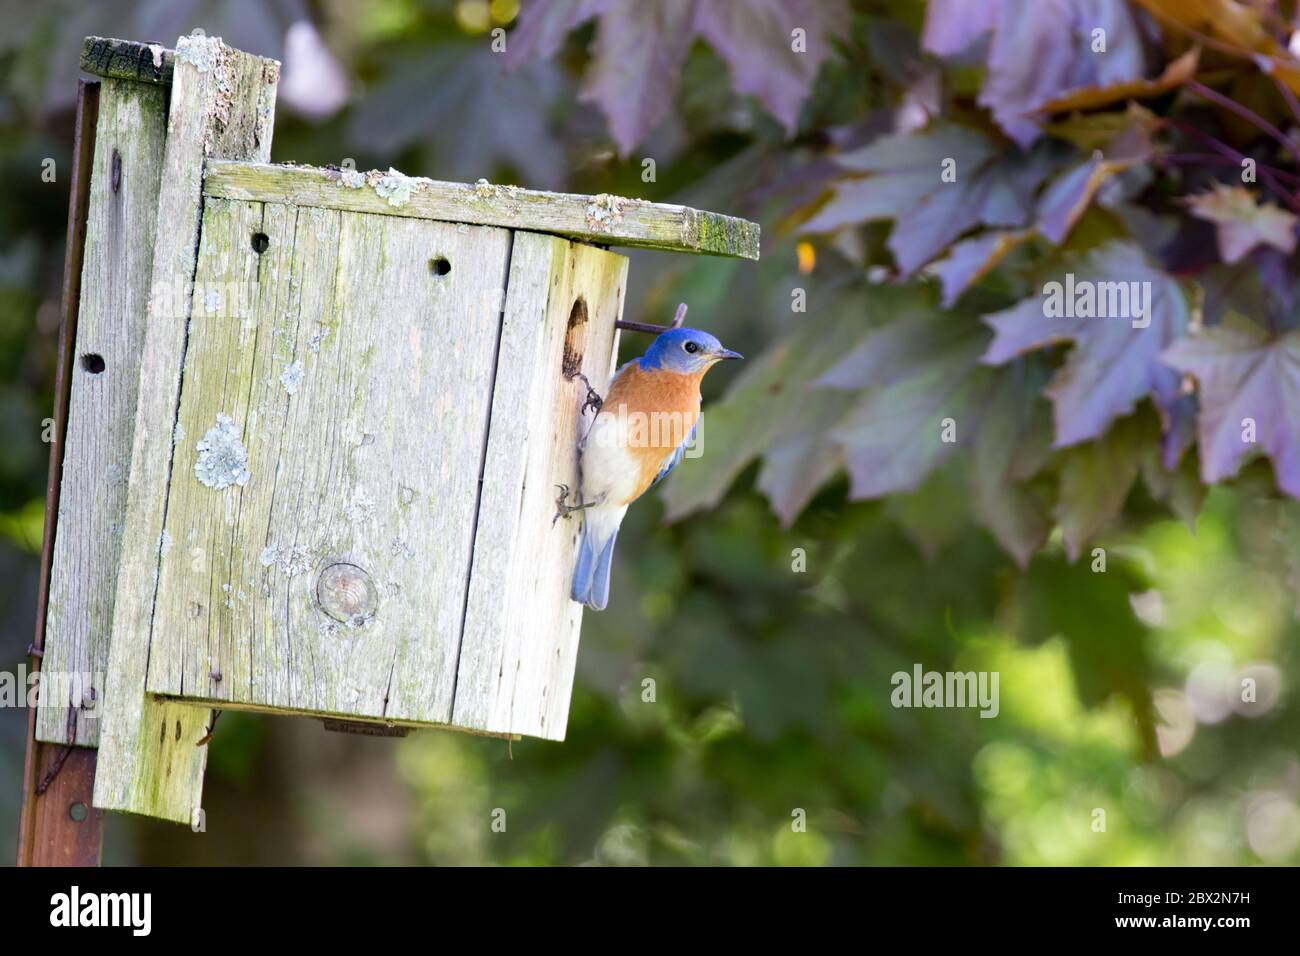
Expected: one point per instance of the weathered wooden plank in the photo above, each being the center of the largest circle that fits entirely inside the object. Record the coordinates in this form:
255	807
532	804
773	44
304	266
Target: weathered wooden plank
237	295
222	104
110	334
603	219
128	60
520	643
358	378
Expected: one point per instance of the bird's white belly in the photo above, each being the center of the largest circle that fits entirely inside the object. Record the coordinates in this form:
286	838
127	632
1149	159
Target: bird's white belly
611	473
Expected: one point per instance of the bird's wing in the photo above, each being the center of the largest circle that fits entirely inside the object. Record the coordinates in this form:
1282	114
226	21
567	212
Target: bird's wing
672	460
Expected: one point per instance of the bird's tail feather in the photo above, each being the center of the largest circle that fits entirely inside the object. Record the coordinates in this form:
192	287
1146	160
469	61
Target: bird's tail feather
595	558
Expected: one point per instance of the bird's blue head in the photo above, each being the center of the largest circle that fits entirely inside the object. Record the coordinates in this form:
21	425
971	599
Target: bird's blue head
685	351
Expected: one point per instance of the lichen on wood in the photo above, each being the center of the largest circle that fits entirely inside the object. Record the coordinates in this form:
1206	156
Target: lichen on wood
395	187
291	378
605	212
201	52
223	459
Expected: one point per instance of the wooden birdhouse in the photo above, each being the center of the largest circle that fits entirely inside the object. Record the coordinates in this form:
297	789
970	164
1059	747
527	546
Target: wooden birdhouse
315	430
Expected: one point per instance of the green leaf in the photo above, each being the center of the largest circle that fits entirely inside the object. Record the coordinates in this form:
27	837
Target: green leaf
1109	646
1096	478
935	513
800	460
771	407
1012	444
1179	488
926	402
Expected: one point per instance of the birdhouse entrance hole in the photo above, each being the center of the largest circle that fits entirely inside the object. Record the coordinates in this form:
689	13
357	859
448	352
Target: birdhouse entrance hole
575	338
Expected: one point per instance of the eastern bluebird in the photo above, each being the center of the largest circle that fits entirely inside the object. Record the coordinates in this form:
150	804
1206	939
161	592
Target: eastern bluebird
637	437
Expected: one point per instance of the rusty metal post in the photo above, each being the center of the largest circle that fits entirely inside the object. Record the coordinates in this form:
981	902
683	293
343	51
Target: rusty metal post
58	826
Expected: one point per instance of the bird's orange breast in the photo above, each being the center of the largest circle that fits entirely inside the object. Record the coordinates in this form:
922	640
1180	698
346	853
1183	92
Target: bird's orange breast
659	408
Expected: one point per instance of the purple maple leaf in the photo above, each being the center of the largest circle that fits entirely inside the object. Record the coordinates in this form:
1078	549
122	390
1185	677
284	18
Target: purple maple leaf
1250	390
936	184
1039	50
1115	361
772	48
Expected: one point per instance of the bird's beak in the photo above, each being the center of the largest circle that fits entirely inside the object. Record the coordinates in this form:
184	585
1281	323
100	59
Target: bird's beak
728	354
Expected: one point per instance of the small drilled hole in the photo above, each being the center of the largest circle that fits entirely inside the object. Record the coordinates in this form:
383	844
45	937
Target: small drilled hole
261	242
92	363
439	266
77	812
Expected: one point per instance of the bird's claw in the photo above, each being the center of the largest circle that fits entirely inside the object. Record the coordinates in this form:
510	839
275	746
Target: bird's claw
593	399
562	510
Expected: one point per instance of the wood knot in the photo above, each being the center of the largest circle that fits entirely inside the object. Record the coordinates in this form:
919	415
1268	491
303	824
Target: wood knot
346	593
575	338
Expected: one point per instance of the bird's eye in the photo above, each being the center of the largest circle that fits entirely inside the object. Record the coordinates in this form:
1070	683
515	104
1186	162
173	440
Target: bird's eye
691	347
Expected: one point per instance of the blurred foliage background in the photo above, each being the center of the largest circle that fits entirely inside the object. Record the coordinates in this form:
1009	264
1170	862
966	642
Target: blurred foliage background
773	588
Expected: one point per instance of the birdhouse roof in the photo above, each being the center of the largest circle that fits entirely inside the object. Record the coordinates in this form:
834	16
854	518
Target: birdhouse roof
603	219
